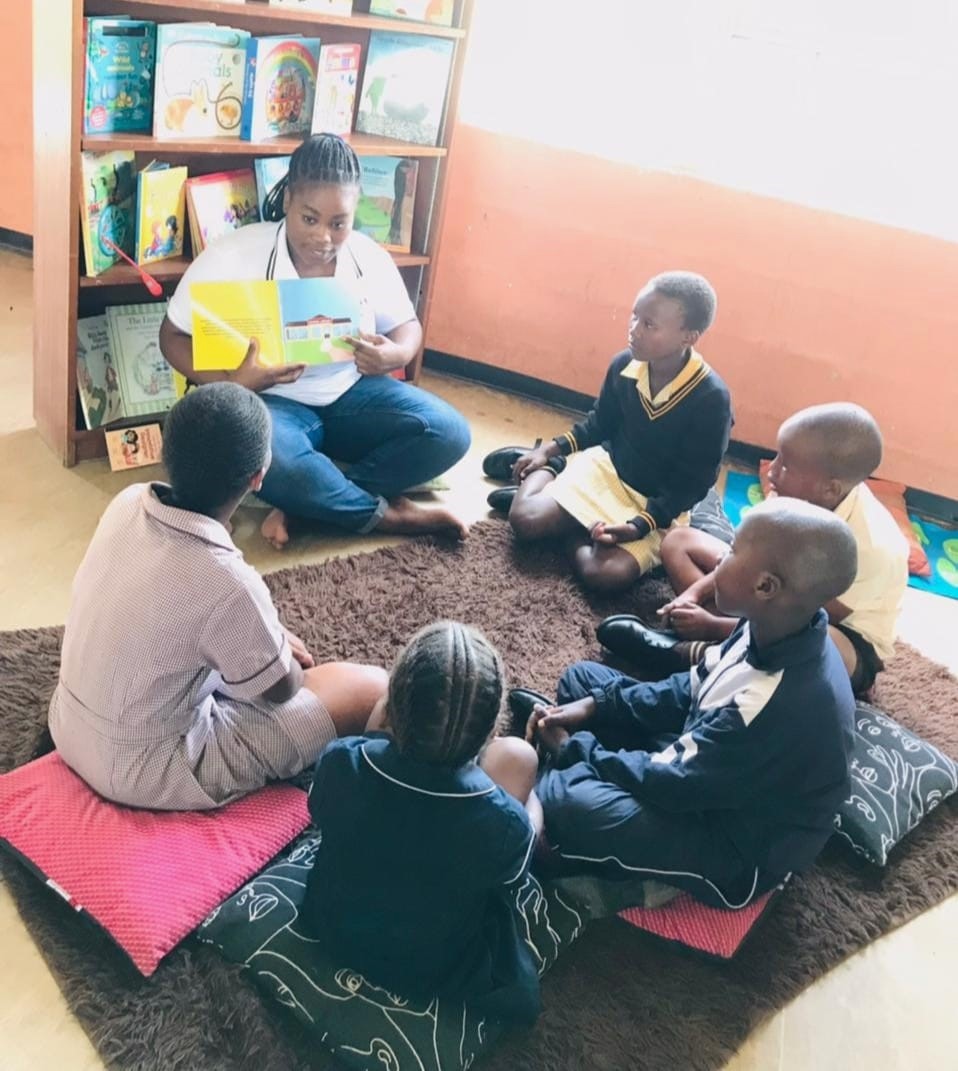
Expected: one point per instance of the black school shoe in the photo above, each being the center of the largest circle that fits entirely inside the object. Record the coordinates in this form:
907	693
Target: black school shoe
647	648
501	498
498	465
521	701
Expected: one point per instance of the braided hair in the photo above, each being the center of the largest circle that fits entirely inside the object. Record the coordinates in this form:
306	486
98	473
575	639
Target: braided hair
323	159
445	694
215	440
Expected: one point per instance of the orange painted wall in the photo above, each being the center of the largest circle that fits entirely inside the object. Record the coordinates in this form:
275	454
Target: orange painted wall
16	118
543	249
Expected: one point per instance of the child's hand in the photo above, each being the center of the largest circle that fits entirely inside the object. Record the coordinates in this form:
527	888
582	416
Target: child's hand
683	600
551	737
611	534
531	461
300	651
376	355
691	622
569	717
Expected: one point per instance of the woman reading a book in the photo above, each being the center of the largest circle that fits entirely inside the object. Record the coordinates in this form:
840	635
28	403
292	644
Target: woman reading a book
391	435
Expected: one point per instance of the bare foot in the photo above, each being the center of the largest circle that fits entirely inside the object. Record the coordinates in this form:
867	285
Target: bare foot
275	529
404	516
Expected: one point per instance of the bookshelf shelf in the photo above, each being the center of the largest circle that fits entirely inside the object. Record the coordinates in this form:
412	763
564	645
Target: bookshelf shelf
364	144
171	271
258	16
59	67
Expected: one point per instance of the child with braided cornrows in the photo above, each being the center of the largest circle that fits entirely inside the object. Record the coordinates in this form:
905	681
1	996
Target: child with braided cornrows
429	823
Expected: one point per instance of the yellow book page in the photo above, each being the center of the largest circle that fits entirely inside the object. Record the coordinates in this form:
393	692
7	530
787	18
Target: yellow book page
227	315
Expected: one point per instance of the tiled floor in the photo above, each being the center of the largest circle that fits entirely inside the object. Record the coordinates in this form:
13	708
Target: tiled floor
890	1008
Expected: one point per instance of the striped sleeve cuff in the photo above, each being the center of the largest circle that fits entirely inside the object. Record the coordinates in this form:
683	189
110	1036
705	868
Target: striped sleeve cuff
644	523
566	443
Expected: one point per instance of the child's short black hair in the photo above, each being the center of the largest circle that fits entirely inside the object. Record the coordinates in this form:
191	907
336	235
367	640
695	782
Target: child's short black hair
843	438
215	440
693	292
445	694
324	159
813	551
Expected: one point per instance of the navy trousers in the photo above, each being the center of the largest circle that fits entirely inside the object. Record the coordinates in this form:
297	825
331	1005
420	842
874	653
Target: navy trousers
597	827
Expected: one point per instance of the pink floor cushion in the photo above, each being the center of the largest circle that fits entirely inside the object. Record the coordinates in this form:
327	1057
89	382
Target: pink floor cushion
715	931
148	878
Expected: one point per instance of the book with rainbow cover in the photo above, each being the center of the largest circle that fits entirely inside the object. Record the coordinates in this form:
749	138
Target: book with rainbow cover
280	86
295	321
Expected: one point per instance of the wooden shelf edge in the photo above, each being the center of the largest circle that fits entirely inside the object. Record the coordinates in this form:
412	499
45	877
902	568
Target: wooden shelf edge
263	13
364	144
172	270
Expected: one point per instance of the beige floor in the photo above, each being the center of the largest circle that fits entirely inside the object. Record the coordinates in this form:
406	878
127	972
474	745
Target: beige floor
889	1008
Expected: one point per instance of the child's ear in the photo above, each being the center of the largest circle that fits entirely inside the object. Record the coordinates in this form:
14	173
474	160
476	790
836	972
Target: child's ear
256	482
768	586
833	491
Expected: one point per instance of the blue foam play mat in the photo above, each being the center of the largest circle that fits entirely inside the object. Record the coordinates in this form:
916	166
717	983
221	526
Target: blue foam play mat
743	490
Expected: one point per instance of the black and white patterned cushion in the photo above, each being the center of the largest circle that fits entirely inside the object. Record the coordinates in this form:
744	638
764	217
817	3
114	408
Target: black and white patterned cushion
897	778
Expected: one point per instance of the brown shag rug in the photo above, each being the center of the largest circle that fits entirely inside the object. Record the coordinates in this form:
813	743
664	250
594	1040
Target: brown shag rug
619	998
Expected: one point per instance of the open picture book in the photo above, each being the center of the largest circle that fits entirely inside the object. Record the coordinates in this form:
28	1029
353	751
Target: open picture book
295	321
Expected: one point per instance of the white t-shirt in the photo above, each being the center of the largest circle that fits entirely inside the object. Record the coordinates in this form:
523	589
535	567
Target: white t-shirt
259	251
876	596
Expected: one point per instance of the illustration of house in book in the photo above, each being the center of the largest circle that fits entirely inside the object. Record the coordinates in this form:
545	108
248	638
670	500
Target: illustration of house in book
317	335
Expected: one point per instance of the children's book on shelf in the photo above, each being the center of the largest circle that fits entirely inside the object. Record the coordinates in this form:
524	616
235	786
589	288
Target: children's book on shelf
438	12
133	448
404	87
280	86
269	170
336	85
327	7
219	204
97	380
200	70
385	209
160	212
107	207
294	321
120	58
146	380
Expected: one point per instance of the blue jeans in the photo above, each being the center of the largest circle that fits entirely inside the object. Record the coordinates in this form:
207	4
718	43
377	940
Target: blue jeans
393	436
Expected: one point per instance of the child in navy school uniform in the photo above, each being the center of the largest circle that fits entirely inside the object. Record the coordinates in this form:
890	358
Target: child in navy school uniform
428	828
734	771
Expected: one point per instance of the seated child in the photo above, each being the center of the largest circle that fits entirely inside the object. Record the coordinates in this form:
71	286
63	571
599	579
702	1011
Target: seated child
179	688
736	769
825	453
428	828
646	453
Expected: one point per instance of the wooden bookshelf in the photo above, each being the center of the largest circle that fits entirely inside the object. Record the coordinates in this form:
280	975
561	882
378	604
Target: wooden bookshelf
258	17
61	293
364	144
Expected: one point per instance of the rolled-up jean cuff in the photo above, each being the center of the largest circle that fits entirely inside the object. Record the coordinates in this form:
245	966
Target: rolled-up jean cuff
375	517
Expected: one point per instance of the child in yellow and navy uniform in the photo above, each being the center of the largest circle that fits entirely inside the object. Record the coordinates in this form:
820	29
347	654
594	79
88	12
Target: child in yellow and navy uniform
649	450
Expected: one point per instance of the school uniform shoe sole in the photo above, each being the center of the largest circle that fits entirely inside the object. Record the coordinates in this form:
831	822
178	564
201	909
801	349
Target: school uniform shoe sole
498	465
501	498
651	650
521	701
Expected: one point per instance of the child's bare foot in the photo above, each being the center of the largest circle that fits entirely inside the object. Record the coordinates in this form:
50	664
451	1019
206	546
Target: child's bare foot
275	529
403	516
